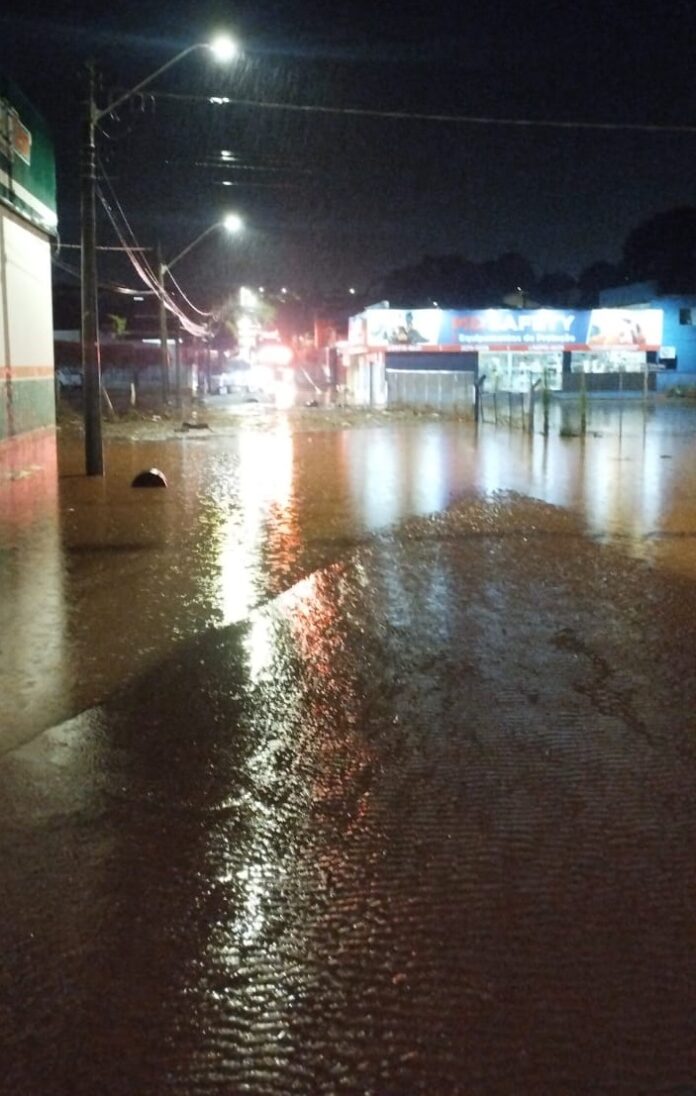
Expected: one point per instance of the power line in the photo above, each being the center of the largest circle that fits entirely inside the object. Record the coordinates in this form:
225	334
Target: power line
149	268
417	116
147	275
189	302
101	247
142	266
112	286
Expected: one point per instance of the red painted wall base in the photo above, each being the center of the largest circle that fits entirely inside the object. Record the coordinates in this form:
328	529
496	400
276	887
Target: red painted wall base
28	475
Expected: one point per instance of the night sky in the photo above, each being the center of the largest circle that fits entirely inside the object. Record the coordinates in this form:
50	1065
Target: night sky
335	200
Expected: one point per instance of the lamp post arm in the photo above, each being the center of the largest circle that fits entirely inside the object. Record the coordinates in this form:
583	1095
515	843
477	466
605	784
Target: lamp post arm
99	114
189	247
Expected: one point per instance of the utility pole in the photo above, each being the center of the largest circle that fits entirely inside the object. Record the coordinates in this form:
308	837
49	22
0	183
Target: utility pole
94	450
164	349
224	49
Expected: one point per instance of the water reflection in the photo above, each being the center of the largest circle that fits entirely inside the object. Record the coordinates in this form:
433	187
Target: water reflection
376	478
256	502
108	580
34	667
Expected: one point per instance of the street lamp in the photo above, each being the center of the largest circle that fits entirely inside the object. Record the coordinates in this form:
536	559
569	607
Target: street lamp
224	49
232	223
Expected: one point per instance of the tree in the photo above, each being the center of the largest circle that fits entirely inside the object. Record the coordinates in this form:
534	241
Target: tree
552	289
509	273
595	277
119	324
455	282
663	249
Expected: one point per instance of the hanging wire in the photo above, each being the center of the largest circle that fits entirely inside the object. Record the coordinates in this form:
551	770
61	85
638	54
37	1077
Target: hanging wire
147	265
75	273
144	271
404	115
188	301
140	263
124	218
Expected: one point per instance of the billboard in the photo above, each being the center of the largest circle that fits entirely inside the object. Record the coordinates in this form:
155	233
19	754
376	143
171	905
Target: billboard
506	328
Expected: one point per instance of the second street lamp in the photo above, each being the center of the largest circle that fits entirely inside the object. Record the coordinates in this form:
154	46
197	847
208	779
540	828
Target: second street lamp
224	49
232	223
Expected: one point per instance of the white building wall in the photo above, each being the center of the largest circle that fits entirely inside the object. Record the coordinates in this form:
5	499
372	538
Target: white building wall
27	383
27	269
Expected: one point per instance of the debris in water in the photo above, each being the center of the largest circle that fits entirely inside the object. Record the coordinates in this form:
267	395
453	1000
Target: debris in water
151	478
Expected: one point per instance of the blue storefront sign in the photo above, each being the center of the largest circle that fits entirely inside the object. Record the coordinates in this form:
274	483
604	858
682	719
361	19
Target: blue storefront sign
507	328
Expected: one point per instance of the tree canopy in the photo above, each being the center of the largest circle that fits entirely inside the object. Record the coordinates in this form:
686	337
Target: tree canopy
661	249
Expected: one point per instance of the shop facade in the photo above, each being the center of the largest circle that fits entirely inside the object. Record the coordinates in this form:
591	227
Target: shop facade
678	350
435	357
27	226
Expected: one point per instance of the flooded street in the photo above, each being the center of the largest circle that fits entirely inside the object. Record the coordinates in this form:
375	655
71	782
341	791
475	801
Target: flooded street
102	581
370	765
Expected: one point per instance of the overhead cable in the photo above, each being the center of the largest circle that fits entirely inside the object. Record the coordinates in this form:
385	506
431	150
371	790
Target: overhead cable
75	273
146	274
418	116
145	262
135	248
143	268
188	301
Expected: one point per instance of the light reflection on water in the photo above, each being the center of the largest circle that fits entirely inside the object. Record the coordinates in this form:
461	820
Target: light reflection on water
106	582
259	491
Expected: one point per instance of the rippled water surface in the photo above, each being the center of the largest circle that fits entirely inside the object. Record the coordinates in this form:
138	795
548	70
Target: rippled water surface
378	799
102	580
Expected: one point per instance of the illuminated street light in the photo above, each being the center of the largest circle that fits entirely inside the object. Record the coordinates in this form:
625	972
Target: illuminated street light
233	222
224	49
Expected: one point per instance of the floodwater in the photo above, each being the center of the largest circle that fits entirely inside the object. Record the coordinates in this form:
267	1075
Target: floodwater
105	580
391	787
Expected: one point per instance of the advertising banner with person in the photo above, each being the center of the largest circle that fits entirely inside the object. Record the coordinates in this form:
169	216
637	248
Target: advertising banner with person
507	328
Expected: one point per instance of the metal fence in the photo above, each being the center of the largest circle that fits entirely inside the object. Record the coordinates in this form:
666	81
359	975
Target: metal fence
431	390
505	409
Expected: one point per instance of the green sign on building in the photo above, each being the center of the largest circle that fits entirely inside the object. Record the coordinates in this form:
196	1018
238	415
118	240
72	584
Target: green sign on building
27	164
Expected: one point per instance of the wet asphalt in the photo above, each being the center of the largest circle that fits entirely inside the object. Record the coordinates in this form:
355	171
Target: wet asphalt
422	821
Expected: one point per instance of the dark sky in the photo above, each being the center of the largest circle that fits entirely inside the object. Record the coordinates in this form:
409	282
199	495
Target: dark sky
336	200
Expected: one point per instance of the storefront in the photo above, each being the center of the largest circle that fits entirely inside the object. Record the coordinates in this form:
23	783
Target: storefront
27	225
513	349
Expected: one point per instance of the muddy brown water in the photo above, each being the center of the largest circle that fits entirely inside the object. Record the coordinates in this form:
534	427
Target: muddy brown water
105	580
421	822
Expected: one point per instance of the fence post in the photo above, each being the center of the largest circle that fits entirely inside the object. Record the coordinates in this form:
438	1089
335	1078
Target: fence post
546	398
478	397
532	402
583	403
